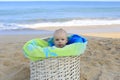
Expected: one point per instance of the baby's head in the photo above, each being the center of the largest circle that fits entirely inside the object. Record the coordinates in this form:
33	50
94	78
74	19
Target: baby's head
60	38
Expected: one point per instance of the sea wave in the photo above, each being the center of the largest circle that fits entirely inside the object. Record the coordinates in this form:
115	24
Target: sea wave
79	23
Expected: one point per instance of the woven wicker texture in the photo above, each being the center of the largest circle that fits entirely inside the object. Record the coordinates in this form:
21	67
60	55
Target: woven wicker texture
60	68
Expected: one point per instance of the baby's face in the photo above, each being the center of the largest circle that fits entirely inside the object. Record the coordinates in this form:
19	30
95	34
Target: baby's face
60	40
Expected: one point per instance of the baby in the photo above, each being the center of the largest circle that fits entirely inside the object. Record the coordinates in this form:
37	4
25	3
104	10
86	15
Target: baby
60	38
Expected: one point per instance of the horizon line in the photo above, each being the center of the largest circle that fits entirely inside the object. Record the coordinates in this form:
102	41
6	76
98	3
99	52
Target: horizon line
58	1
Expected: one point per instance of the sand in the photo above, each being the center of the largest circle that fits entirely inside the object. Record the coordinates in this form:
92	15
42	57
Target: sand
101	60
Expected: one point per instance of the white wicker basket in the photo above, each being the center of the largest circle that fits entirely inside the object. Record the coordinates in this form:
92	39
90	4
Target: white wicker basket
60	68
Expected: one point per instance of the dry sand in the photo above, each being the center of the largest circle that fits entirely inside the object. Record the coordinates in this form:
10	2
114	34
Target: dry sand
101	60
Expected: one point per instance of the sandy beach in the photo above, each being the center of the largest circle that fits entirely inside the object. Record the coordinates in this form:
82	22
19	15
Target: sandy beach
98	21
101	60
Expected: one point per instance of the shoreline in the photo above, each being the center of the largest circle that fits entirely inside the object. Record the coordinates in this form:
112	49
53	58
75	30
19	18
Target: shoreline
108	31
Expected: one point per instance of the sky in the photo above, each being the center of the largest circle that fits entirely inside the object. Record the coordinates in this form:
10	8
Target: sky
59	0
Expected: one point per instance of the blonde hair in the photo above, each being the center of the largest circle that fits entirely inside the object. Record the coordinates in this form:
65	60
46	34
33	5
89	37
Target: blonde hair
60	31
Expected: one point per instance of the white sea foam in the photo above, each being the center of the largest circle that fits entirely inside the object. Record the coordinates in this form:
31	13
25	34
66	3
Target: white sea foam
87	22
82	22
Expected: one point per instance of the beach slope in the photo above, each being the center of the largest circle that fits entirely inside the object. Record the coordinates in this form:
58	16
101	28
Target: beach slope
101	60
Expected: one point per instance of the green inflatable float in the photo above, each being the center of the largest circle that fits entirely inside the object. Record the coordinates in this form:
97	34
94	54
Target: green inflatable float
38	49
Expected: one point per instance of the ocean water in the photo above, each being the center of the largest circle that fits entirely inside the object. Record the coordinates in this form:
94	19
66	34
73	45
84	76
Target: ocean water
22	15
